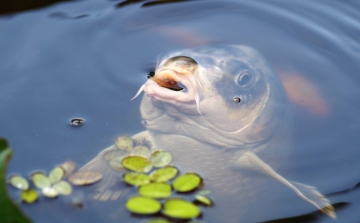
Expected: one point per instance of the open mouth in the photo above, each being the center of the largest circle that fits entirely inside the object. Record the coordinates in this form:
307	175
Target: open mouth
174	81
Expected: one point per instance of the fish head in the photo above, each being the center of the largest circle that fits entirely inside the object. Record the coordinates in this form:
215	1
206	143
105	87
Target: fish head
226	96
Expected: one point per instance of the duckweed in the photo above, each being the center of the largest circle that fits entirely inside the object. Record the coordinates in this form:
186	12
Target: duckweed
143	205
180	208
19	182
136	164
155	190
187	182
136	179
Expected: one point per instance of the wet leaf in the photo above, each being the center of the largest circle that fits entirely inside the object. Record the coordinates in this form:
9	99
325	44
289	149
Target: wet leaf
137	164
160	158
56	174
9	212
19	182
164	174
179	208
203	200
63	187
115	154
85	177
186	182
157	220
40	180
124	143
29	196
141	151
143	205
49	192
68	167
155	190
136	179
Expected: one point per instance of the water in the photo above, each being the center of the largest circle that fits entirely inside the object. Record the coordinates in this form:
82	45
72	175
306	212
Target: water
87	59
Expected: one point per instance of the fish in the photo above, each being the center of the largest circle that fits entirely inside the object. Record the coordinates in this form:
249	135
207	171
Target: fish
220	111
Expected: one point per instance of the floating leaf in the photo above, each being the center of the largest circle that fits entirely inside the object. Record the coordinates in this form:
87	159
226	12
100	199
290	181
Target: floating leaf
63	187
85	177
164	174
141	151
124	143
49	192
143	205
56	174
136	179
160	158
137	164
68	167
186	182
29	196
179	208
19	182
203	200
115	154
157	220
155	190
40	180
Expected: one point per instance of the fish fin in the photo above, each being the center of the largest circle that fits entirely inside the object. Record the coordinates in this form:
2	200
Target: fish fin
104	191
139	92
308	193
197	100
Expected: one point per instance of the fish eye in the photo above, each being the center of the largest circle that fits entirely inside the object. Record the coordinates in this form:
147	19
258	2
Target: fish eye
244	78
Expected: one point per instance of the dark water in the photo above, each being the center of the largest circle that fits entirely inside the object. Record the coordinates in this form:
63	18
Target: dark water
87	59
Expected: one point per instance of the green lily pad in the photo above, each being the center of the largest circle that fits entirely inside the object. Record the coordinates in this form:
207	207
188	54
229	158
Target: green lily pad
141	151
157	220
85	177
40	180
180	208
9	212
143	205
187	182
29	196
56	174
155	190
49	192
203	200
137	164
124	143
164	174
160	158
136	179
19	182
63	187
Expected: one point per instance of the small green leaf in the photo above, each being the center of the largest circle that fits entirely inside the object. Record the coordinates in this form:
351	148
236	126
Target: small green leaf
179	208
164	174
49	192
85	177
203	200
29	196
137	164
19	182
157	220
63	187
186	182
56	174
40	180
124	143
141	151
155	190
143	205
160	158
136	179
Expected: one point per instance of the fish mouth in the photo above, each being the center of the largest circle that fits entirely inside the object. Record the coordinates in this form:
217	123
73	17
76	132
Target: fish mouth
169	85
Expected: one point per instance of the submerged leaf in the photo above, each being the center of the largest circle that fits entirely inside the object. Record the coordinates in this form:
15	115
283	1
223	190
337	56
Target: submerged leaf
137	164
141	151
68	167
160	158
143	205
157	220
56	174
136	179
85	177
124	143
179	208
19	182
203	200
63	187
186	182
155	190
29	196
40	180
164	174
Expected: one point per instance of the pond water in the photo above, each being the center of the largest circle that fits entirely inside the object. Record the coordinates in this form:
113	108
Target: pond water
88	58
